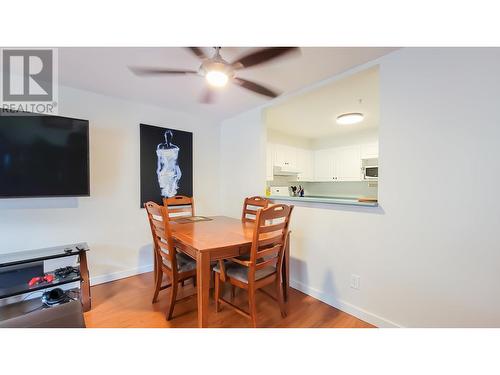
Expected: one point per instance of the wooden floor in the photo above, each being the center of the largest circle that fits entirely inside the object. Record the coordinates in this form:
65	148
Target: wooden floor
127	303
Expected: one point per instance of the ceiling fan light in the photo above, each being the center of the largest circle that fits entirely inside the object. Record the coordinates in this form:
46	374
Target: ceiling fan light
217	78
350	118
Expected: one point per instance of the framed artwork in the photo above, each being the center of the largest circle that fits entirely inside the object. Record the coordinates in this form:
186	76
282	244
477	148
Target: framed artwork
166	163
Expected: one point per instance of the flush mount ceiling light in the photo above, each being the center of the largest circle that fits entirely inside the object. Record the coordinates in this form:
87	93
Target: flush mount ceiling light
350	118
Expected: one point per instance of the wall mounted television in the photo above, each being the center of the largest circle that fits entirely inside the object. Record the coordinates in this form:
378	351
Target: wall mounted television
43	156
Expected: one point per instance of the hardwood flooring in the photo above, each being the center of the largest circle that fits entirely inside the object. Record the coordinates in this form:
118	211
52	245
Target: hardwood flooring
126	303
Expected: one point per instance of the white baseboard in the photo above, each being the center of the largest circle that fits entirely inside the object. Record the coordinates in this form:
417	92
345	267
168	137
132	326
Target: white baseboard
349	308
106	278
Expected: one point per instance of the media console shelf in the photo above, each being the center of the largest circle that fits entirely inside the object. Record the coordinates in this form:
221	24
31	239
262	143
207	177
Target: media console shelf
31	256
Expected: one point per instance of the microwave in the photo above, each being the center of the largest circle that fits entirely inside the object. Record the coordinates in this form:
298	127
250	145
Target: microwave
370	172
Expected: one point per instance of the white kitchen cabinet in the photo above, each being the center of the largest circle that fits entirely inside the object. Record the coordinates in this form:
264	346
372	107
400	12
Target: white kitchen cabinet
324	165
333	164
285	157
289	158
269	161
337	164
369	151
305	165
347	162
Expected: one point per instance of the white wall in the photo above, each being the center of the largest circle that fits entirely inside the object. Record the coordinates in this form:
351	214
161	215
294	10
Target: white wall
242	160
366	136
429	255
275	136
110	220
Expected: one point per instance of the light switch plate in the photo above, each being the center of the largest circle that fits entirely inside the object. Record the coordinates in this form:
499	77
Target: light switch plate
355	281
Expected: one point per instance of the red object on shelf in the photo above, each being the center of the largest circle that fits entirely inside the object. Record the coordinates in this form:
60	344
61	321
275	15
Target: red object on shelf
37	280
34	281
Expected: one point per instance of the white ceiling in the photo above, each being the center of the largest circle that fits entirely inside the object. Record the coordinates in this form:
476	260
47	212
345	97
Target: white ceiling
313	115
104	70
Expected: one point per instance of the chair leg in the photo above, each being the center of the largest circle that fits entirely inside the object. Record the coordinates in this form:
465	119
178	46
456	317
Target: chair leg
155	265
217	292
159	278
279	294
233	291
252	306
182	282
173	296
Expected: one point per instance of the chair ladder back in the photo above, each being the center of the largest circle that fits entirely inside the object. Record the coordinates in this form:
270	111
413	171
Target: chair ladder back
162	236
179	206
250	207
271	230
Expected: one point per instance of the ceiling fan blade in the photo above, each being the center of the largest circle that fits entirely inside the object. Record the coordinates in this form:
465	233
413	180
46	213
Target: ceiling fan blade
207	97
261	56
255	87
198	52
159	71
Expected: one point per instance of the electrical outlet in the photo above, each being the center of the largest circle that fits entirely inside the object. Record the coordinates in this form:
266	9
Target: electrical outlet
355	281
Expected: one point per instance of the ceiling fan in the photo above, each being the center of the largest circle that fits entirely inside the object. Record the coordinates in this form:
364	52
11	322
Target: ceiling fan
218	72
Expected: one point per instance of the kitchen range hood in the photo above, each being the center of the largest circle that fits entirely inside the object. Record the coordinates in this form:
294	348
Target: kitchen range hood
280	171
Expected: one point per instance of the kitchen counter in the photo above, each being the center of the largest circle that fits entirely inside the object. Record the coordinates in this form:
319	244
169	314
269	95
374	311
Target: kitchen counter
328	200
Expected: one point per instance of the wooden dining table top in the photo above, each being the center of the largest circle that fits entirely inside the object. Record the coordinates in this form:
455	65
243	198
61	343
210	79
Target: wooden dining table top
218	233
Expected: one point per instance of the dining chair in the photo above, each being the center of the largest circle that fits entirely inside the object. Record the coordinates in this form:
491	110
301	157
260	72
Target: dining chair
179	206
264	265
178	266
250	207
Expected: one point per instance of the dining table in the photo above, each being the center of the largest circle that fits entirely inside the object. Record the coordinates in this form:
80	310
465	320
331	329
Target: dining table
214	238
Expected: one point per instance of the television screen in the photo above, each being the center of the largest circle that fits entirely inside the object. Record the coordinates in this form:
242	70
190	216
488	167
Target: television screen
43	156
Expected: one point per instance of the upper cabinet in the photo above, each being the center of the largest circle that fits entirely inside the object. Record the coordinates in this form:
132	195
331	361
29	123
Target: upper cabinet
289	159
332	164
324	165
348	163
305	165
337	164
369	151
285	157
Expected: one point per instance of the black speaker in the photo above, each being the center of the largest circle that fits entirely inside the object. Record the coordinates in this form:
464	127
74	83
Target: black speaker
54	297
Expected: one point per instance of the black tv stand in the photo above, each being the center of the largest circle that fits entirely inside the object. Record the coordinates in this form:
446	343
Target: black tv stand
30	256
